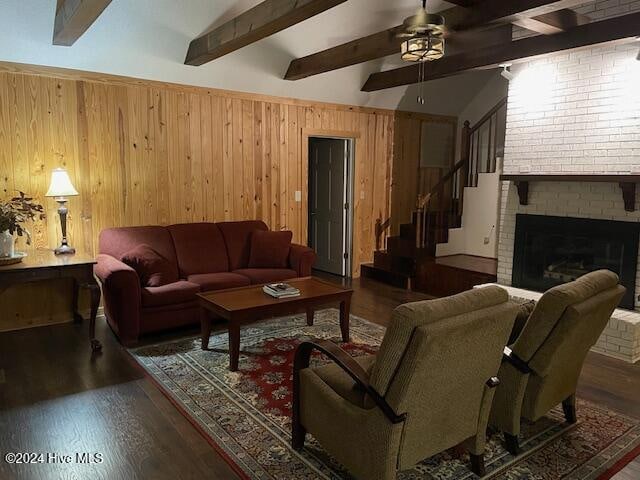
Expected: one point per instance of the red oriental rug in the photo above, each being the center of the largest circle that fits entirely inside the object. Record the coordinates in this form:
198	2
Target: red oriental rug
245	415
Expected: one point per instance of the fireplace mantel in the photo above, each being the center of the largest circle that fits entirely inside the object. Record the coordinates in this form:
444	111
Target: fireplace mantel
627	183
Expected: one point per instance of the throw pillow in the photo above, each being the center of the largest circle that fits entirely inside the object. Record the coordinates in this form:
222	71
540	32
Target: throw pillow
270	249
153	269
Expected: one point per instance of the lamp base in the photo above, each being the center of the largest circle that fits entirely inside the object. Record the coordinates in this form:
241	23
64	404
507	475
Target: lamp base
64	250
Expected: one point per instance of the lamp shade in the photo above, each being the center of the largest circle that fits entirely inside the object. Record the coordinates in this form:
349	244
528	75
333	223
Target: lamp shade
61	185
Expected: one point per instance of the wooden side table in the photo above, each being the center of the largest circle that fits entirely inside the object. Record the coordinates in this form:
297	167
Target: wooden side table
45	265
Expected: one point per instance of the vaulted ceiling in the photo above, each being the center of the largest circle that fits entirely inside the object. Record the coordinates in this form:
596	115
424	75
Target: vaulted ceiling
151	38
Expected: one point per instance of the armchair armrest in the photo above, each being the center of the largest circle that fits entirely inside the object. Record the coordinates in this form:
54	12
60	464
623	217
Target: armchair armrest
301	259
347	363
509	356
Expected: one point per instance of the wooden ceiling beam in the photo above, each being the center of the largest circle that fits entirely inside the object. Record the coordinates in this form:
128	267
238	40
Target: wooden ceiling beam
385	43
605	31
74	17
553	22
510	11
380	45
263	20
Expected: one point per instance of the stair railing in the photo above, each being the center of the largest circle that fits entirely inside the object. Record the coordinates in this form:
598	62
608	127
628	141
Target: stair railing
381	227
436	208
441	208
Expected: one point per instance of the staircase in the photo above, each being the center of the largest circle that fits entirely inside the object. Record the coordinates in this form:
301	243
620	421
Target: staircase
409	260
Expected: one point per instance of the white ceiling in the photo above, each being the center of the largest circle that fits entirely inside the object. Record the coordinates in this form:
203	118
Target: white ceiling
149	39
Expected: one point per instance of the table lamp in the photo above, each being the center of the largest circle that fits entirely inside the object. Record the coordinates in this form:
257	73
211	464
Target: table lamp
61	188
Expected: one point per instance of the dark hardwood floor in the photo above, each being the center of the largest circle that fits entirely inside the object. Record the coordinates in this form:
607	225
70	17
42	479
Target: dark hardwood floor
56	398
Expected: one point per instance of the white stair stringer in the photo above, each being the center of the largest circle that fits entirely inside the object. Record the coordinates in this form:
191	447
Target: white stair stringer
479	220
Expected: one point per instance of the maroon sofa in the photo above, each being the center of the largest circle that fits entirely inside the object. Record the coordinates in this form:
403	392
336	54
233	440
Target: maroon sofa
206	256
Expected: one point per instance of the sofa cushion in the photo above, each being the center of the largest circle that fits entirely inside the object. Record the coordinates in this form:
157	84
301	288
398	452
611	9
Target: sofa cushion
218	281
237	238
152	268
118	241
200	248
270	249
172	293
266	275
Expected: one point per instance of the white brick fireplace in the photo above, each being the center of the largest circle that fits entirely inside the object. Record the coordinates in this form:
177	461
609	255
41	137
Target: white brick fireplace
575	113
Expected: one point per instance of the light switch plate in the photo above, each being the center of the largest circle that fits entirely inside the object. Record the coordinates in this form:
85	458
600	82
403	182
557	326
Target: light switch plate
298	196
361	194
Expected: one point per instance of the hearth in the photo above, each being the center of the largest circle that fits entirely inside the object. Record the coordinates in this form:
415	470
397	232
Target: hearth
550	250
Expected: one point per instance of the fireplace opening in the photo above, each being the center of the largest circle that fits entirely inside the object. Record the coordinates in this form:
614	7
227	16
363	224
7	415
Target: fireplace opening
549	251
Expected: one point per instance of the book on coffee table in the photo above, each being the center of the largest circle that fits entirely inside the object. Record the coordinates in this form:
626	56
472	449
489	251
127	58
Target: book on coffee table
281	290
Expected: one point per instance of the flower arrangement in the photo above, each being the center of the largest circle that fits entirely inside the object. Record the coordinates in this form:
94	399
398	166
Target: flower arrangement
16	212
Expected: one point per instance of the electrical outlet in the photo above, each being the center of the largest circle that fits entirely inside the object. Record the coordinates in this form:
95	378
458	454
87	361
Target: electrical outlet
298	196
486	240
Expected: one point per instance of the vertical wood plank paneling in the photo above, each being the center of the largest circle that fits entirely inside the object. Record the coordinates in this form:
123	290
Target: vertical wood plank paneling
258	156
246	139
274	218
161	154
207	158
160	113
227	165
237	166
218	185
83	177
149	157
36	141
6	165
292	172
283	171
135	163
195	178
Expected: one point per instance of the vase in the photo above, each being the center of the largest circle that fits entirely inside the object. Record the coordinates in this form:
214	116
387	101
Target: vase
7	244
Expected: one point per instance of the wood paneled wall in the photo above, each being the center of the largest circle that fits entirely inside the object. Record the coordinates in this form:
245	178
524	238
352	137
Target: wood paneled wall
143	152
408	178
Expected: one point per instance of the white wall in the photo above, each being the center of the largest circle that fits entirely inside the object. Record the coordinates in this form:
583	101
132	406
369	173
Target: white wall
480	212
575	112
479	220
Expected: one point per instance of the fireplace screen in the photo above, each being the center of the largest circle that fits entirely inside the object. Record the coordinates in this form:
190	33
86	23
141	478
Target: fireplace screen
553	250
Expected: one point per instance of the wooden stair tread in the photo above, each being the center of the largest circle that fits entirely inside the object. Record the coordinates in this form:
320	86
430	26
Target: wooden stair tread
470	263
396	279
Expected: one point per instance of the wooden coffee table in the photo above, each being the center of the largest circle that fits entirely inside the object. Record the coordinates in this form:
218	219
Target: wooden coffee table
244	305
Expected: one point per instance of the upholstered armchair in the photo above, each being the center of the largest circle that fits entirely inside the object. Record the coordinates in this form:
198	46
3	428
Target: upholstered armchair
429	387
541	367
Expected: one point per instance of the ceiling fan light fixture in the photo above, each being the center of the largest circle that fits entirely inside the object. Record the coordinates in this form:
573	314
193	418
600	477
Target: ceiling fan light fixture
423	36
423	48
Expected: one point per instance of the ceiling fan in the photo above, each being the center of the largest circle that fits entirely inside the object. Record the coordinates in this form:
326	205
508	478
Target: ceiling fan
422	41
423	36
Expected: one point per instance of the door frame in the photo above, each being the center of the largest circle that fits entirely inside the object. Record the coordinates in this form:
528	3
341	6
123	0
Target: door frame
352	138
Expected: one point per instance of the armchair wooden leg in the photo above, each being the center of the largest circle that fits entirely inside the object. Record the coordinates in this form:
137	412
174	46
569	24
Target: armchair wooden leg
511	441
298	434
569	409
477	465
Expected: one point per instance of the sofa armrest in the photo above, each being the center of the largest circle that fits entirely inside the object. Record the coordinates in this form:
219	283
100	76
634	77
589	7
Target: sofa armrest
122	296
301	259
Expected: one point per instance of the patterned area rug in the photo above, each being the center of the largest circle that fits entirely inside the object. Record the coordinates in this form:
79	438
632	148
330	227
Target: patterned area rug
246	414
